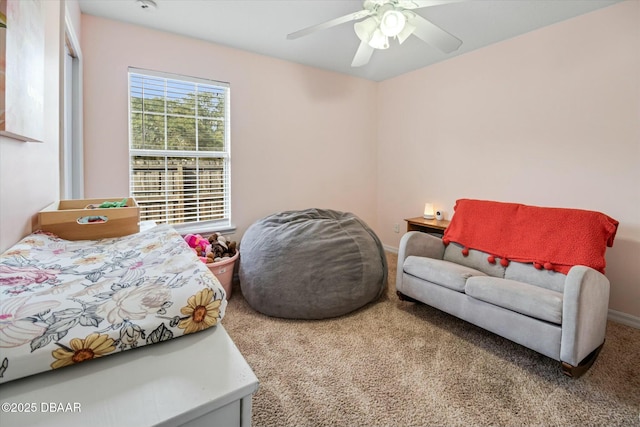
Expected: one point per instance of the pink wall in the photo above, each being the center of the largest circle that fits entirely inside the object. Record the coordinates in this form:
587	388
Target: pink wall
300	137
29	178
550	118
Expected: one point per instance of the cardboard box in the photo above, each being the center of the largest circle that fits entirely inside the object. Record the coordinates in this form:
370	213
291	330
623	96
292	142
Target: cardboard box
81	220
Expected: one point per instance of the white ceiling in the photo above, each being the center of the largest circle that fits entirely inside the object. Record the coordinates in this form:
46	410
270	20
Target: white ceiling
261	26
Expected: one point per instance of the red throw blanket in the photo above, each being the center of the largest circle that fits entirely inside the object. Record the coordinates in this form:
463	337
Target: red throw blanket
550	238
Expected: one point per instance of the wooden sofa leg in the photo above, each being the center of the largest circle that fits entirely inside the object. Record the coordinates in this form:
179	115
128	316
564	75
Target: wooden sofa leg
403	297
583	366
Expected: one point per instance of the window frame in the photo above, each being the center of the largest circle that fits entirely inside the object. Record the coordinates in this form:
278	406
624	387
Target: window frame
223	225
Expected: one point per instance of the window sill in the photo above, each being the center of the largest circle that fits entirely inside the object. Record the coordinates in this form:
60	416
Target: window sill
205	229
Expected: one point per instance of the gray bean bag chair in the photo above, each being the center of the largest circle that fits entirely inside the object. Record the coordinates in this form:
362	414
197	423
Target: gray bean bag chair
311	264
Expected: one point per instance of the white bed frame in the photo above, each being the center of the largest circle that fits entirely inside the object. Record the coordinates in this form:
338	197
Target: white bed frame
195	380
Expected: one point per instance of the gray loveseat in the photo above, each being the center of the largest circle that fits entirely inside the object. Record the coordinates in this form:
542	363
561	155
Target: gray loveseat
562	316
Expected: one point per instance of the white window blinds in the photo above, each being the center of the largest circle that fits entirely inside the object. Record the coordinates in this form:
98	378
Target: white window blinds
179	149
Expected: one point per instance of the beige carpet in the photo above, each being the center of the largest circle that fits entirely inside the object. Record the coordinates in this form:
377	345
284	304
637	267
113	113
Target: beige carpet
395	363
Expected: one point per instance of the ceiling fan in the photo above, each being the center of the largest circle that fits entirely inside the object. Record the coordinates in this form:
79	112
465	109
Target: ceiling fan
389	19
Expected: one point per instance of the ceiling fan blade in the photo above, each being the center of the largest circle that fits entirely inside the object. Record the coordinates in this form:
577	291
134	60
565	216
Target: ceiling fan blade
332	23
431	34
418	4
363	55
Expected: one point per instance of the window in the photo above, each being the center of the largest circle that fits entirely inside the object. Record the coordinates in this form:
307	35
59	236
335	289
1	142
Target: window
179	150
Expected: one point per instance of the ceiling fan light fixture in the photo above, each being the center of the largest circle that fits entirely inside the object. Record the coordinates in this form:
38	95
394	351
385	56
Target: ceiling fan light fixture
379	40
365	29
392	23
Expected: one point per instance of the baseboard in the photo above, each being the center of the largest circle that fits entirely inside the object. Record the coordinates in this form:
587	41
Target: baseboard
624	318
390	249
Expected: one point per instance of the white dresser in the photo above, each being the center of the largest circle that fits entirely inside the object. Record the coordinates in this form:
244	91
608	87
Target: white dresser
195	380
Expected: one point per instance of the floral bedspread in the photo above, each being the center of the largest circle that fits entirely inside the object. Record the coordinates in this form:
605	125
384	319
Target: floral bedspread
64	302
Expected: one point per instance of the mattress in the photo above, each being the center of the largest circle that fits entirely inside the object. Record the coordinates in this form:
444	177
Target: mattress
65	302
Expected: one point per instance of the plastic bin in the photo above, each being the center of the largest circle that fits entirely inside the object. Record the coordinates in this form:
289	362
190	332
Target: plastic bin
223	270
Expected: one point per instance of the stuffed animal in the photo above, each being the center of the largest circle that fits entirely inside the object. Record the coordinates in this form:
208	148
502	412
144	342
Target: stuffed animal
221	248
199	244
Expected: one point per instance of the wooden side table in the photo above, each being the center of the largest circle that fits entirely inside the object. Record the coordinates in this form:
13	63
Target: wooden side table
427	225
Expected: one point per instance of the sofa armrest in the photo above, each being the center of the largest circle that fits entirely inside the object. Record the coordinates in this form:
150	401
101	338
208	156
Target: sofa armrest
417	243
584	313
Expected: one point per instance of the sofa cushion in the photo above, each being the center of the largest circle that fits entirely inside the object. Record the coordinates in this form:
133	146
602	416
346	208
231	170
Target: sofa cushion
443	273
527	273
475	259
530	300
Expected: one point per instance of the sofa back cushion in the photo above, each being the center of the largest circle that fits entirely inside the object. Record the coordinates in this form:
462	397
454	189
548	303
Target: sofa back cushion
475	259
527	273
444	273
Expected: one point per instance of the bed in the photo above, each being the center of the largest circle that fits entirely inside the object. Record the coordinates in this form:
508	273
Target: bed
65	302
